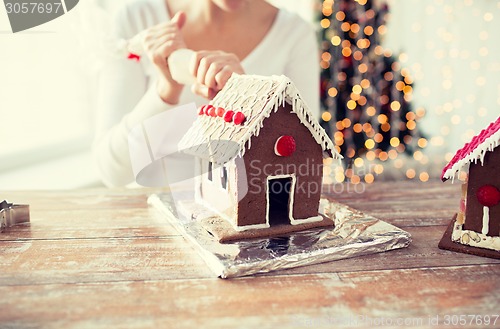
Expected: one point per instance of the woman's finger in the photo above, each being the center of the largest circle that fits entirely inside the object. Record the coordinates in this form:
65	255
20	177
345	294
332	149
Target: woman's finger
222	76
209	66
200	90
179	19
212	70
215	67
203	67
203	91
195	61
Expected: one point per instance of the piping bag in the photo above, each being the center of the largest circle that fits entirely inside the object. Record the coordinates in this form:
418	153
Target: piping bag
178	61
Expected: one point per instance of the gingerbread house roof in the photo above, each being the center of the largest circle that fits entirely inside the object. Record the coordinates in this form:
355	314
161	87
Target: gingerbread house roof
474	151
220	136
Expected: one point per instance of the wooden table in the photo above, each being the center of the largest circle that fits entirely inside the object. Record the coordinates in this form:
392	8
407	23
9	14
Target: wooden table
104	259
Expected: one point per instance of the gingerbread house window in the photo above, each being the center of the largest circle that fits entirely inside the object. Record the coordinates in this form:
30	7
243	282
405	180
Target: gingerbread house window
210	171
223	177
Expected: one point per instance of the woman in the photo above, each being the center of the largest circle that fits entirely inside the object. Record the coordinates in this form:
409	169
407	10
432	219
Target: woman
229	36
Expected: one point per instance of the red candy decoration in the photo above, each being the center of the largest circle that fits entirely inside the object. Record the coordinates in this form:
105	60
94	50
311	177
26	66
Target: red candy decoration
202	110
238	118
220	111
488	195
285	146
207	109
228	116
212	112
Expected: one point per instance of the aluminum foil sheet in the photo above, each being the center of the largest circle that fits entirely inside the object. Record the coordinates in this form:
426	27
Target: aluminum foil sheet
354	234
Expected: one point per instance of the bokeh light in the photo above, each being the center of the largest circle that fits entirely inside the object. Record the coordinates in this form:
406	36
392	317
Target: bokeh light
372	93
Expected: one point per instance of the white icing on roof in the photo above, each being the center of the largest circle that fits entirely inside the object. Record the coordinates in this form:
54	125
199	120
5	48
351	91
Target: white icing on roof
487	140
257	97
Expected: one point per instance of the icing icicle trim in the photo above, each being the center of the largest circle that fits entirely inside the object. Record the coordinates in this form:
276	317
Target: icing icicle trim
474	151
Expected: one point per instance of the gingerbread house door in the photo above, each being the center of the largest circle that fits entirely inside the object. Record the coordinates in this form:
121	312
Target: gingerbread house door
280	192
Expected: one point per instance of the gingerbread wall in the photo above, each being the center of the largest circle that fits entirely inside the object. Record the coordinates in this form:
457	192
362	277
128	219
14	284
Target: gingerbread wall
261	162
480	175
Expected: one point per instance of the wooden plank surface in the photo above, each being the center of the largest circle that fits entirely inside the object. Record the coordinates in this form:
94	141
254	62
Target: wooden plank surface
295	301
402	204
103	259
146	258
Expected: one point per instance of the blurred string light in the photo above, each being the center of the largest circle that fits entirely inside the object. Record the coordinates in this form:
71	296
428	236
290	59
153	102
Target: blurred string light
464	97
366	93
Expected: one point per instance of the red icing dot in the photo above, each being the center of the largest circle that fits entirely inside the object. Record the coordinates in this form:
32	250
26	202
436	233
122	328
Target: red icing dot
285	146
228	116
238	118
488	195
134	57
207	109
220	111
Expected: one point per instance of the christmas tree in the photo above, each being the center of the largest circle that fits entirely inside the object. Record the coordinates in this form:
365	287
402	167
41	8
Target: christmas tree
365	93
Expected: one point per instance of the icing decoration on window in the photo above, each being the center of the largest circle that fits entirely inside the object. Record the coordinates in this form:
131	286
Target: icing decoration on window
488	196
284	146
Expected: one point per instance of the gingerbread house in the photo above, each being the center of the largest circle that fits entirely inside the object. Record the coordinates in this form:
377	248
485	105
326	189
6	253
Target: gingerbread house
475	229
260	154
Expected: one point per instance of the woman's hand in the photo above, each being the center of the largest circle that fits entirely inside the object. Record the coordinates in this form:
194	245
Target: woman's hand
212	69
159	42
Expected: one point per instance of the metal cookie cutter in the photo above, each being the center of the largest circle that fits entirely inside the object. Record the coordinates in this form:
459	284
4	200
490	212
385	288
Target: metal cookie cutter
13	214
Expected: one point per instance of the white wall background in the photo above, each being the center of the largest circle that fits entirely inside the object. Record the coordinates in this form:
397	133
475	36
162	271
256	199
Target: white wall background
44	107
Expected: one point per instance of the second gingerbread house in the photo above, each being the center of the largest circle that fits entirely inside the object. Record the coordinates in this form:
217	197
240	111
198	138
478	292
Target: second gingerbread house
477	225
